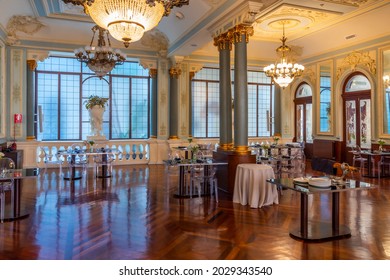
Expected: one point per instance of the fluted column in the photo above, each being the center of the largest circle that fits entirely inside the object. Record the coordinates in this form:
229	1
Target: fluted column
30	112
174	74
224	44
241	35
153	104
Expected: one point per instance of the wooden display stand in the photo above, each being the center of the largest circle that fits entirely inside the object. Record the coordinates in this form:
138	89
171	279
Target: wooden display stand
226	176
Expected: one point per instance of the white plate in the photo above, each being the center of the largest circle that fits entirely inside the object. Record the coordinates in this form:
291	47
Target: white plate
320	182
318	189
301	180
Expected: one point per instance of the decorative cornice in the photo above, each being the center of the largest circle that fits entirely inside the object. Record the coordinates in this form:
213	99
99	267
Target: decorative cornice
357	59
25	24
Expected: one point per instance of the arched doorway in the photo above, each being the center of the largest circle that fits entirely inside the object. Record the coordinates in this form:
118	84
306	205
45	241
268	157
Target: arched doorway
357	113
303	117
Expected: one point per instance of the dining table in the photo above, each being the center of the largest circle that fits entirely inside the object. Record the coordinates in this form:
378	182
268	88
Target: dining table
183	189
16	211
320	231
74	174
251	186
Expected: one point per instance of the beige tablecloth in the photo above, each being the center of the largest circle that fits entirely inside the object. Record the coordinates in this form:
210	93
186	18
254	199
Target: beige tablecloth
250	186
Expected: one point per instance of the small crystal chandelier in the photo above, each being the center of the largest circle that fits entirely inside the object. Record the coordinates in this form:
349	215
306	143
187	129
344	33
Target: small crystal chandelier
102	58
128	20
386	80
283	73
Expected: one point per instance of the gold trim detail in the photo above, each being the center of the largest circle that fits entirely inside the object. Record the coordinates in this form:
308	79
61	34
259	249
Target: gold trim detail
243	150
174	137
240	30
224	41
175	72
32	64
153	73
30	138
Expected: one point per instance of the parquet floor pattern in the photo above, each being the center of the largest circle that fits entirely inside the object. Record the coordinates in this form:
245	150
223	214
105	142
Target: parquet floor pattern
134	215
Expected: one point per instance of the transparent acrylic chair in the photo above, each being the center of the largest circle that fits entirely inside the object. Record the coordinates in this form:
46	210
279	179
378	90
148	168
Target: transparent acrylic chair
6	183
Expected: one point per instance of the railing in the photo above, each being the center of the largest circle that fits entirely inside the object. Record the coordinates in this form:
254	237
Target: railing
129	152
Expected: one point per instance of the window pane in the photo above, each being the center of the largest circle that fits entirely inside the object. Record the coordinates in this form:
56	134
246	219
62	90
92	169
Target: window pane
199	109
139	108
61	95
213	110
48	101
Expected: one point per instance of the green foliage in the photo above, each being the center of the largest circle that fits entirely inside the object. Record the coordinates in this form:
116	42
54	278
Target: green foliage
95	100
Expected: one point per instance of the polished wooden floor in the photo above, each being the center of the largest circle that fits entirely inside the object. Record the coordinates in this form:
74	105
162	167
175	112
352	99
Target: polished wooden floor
135	215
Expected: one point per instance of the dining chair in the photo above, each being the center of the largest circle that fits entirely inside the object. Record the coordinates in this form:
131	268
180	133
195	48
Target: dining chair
6	183
103	163
203	174
383	164
50	159
77	159
358	158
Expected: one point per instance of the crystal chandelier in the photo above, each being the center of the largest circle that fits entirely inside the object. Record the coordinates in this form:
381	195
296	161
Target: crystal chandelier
102	58
386	80
127	20
283	73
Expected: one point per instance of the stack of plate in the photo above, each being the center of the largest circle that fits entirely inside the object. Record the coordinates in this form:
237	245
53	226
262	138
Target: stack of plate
320	183
301	180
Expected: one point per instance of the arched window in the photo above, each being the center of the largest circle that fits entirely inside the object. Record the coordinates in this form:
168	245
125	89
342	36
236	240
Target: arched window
303	114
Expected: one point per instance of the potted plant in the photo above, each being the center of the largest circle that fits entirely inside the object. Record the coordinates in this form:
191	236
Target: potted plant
95	100
96	106
381	143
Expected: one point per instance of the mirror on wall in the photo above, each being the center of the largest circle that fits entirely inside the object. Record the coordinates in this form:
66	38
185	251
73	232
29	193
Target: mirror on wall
386	92
325	110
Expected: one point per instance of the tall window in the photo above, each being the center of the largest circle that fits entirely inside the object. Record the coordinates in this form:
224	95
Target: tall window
325	102
205	102
62	86
260	105
303	114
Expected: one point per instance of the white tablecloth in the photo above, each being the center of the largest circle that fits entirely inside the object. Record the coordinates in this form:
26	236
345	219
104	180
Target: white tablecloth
250	186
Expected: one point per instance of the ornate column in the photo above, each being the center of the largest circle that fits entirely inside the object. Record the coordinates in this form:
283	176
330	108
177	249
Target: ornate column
241	35
174	74
224	44
153	104
31	117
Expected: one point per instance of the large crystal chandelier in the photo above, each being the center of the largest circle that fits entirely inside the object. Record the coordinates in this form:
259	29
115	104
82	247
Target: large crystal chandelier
127	20
102	58
284	72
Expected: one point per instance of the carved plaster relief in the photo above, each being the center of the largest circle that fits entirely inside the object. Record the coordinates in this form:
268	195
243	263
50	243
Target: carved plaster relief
355	3
25	24
156	40
357	59
300	19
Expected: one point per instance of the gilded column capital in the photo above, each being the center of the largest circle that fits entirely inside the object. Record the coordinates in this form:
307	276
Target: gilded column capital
224	41
32	64
192	74
153	73
240	30
175	72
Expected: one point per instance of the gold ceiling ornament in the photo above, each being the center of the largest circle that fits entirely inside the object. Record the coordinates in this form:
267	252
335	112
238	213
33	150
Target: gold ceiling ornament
102	58
386	81
128	20
283	72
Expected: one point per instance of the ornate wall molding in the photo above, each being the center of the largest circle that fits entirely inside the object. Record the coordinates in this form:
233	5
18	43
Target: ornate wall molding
25	24
357	59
